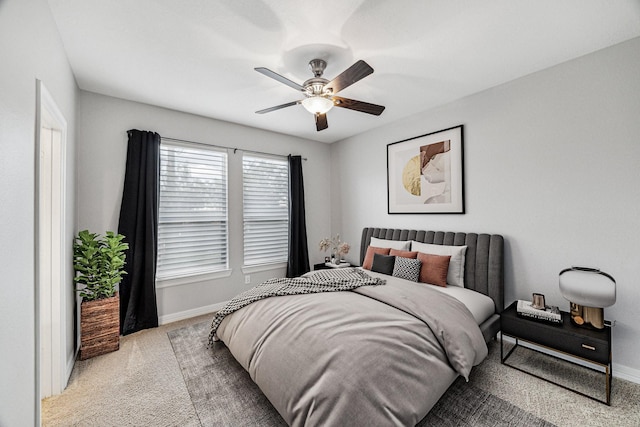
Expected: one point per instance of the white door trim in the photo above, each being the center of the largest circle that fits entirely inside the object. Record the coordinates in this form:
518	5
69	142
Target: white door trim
51	283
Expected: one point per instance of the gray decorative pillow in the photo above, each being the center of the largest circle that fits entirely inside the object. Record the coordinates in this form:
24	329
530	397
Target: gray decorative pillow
407	268
383	264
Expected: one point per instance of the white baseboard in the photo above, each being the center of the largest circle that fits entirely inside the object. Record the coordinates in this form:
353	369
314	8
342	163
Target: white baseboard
626	373
618	371
70	363
187	314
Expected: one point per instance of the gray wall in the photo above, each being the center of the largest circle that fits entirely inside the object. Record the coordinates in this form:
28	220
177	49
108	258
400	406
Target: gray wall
101	165
551	162
30	49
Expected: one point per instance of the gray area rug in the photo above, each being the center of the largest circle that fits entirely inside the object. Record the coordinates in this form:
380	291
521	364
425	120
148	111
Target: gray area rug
223	393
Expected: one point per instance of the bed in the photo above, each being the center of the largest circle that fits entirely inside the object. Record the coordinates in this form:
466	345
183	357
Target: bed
381	353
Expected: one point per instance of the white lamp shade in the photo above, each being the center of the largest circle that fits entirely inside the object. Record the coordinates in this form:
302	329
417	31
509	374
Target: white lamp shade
317	104
588	287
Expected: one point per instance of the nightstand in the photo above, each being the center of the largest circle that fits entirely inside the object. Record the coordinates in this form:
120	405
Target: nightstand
588	344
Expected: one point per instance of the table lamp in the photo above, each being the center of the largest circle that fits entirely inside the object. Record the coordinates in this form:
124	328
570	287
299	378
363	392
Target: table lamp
588	290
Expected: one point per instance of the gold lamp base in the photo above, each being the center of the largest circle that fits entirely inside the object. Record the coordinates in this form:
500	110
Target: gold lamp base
582	315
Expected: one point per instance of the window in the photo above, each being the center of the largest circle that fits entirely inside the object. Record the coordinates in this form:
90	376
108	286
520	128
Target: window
192	220
265	192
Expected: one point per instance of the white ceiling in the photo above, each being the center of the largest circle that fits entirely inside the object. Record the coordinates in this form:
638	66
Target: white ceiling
198	56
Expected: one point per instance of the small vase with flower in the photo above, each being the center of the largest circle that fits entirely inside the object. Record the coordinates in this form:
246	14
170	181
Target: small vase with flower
338	248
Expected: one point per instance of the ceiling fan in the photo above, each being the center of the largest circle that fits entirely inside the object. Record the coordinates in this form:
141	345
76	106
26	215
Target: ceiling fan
320	93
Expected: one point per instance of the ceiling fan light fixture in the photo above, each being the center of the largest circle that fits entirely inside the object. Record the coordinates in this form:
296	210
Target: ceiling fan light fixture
320	93
317	104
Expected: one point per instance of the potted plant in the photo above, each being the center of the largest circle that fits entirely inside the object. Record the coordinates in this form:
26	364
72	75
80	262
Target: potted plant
99	264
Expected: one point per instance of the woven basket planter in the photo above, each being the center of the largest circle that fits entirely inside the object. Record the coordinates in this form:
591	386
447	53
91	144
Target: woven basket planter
99	327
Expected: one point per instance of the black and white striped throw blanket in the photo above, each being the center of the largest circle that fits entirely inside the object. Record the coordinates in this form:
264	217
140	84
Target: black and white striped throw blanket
333	280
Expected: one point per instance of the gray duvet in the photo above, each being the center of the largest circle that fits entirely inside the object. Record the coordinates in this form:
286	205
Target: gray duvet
376	355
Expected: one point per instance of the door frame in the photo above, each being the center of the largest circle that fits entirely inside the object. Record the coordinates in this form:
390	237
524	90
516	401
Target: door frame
51	307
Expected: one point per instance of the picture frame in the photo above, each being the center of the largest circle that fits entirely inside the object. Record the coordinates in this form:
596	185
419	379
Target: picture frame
538	301
425	174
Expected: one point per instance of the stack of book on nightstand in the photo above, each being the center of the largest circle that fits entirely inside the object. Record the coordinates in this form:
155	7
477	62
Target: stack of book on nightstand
549	314
342	264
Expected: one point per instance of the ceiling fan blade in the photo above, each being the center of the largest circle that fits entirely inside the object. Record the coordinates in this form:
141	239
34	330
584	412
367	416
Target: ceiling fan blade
267	72
356	72
363	107
277	107
321	122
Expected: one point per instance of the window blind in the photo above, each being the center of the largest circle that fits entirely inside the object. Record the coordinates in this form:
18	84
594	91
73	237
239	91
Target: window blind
265	184
192	217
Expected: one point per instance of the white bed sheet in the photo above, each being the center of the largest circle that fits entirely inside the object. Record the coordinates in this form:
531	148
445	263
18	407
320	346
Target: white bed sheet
481	306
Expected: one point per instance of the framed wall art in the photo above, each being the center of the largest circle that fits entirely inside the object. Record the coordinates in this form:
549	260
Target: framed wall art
425	173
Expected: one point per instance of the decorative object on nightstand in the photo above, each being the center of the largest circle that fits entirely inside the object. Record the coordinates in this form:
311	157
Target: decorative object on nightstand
588	290
338	248
538	301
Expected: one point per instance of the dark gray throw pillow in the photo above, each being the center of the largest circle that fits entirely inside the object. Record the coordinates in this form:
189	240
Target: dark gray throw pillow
383	264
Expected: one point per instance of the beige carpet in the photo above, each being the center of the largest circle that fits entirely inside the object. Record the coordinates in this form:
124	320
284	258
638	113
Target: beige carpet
138	385
141	385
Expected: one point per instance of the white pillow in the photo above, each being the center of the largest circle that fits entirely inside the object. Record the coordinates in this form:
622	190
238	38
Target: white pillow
401	245
455	275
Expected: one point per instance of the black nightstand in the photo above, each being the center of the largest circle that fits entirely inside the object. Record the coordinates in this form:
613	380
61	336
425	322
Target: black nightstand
591	345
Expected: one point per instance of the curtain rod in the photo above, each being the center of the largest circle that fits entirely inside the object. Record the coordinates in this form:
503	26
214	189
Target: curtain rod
226	148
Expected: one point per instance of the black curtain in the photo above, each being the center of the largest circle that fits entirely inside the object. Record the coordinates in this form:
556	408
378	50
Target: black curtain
298	262
139	224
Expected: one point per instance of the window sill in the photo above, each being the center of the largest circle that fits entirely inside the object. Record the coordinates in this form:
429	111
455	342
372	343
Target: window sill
188	280
248	269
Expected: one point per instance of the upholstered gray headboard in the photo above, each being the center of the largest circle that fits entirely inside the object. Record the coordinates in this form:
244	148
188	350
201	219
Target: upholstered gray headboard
484	260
